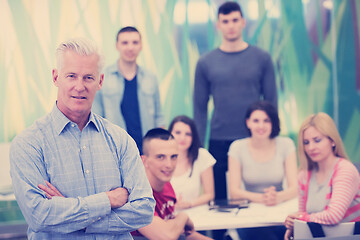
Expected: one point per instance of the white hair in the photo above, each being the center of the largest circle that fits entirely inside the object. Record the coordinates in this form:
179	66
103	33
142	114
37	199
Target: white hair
81	46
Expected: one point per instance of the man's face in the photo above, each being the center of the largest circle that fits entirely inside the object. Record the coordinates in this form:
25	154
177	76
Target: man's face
129	46
77	81
231	26
160	161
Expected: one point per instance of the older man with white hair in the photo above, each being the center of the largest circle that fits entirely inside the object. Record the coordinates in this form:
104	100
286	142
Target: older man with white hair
76	175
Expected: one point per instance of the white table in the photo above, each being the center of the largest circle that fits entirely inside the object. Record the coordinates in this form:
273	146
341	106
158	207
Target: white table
256	215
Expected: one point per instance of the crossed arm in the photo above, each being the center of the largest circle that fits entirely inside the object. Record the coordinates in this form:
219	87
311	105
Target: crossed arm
106	212
116	210
117	197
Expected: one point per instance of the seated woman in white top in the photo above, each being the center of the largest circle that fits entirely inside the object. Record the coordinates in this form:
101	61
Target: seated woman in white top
193	179
264	160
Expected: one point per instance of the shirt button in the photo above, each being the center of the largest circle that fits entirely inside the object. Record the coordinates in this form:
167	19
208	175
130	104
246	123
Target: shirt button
99	218
84	147
87	171
73	125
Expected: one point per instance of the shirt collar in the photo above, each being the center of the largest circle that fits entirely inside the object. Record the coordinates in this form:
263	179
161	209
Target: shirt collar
93	119
60	121
113	69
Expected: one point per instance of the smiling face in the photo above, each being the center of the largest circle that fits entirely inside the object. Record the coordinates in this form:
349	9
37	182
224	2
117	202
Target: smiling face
317	146
129	46
183	135
160	161
259	124
77	80
231	26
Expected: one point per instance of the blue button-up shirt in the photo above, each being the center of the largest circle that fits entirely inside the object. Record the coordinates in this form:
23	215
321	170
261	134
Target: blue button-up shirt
108	99
82	165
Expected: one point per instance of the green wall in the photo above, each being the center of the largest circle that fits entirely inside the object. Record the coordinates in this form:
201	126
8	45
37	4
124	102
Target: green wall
315	51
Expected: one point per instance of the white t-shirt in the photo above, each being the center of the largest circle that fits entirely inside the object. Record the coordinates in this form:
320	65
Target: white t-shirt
189	187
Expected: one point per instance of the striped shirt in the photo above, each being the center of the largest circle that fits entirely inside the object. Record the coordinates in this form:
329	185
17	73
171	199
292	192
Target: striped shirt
82	165
342	198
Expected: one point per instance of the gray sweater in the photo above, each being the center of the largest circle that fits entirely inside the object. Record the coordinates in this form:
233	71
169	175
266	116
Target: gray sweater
234	80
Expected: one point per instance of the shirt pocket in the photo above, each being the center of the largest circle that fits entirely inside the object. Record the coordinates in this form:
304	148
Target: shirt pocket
149	103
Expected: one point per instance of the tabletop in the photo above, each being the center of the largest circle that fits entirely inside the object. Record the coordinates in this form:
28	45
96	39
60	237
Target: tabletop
256	215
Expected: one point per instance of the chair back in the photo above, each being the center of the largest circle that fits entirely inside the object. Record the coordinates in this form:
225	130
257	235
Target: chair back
304	230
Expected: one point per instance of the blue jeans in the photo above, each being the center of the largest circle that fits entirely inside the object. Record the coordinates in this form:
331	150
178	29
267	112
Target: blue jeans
219	150
268	233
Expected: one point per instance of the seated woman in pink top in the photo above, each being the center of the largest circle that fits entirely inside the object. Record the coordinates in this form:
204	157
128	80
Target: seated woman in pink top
328	182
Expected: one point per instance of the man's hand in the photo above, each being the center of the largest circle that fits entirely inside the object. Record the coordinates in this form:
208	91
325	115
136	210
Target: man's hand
50	190
118	197
180	204
189	227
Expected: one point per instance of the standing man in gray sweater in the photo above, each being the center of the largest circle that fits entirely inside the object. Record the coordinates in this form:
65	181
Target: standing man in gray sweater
236	74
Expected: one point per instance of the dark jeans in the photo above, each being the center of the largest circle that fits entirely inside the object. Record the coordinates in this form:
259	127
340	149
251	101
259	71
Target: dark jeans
269	233
219	150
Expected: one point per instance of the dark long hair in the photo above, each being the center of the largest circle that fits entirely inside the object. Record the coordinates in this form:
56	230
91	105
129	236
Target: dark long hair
193	150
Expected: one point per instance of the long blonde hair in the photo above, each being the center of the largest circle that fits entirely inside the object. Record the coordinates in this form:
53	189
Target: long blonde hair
326	126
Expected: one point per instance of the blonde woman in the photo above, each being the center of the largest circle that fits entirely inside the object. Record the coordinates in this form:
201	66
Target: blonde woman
328	182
